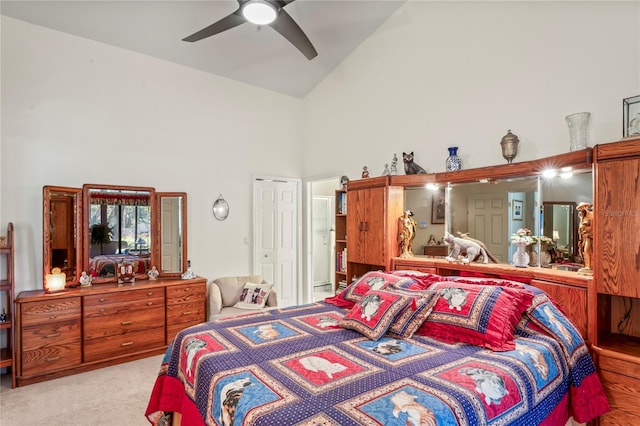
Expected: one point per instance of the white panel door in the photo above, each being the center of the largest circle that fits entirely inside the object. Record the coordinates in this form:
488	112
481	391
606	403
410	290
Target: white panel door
276	237
488	222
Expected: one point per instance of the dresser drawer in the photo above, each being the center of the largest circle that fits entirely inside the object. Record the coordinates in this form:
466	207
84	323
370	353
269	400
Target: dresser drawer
623	393
60	332
43	312
176	328
123	344
185	293
185	312
123	297
50	347
126	321
615	365
122	308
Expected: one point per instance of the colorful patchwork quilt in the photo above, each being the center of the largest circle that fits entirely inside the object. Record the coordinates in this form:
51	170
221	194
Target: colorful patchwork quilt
296	366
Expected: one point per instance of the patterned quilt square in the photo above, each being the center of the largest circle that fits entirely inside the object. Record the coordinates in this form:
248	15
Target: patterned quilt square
323	321
267	333
393	351
198	344
243	394
493	388
322	368
404	402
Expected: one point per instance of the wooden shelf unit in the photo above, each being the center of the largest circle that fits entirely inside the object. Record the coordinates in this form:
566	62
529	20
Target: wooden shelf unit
340	275
7	290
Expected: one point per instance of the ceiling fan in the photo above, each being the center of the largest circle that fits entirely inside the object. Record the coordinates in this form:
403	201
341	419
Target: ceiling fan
262	12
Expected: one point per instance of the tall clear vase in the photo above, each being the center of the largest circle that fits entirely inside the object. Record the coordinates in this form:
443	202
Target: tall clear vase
521	257
578	130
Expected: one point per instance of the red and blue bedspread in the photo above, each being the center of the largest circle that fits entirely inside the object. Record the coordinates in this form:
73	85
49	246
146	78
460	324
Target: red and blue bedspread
295	366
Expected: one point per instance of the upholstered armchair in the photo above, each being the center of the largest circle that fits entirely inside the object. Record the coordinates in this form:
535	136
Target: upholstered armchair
225	293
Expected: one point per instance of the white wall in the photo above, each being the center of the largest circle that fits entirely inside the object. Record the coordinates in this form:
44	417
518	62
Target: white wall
436	74
75	111
440	74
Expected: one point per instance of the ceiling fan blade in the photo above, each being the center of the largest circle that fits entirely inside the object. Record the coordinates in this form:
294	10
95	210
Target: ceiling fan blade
287	27
224	24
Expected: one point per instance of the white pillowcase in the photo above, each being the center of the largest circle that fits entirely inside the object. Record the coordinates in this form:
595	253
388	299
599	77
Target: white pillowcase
254	296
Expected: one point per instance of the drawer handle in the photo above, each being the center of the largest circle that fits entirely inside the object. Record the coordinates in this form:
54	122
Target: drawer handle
126	323
150	293
186	313
52	335
51	317
53	358
102	299
102	310
127	344
187	289
149	303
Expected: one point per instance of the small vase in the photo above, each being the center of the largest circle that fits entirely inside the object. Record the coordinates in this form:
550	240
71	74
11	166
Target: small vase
521	257
545	257
453	161
578	130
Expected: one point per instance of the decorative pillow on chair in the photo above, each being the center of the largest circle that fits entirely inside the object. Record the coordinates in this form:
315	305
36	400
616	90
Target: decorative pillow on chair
254	296
476	314
373	280
374	313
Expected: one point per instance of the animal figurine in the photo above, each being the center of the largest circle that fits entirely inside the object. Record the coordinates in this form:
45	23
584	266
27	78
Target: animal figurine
394	165
365	172
466	236
410	167
459	245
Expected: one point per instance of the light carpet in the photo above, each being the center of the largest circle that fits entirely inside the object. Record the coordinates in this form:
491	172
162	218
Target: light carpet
115	395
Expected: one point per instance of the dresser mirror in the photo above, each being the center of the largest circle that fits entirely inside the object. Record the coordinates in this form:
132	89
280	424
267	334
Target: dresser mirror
171	225
118	227
61	239
95	227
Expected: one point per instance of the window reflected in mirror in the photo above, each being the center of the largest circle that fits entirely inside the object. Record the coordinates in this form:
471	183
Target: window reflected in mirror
119	230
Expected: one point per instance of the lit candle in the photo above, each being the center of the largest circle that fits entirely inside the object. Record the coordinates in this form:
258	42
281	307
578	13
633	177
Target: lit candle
55	281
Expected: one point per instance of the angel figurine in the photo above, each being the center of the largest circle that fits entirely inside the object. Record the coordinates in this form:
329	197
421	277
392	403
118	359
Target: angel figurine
153	273
85	279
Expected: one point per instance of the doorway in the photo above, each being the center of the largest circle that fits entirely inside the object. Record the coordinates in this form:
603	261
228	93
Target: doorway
277	235
321	236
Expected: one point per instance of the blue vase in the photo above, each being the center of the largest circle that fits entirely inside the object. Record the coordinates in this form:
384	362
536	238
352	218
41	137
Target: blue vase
453	161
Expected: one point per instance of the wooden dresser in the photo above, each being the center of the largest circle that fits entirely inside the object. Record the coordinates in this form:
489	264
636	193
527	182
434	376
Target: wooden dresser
82	329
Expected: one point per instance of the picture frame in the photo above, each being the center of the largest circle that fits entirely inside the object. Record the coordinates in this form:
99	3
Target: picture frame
438	207
631	117
516	210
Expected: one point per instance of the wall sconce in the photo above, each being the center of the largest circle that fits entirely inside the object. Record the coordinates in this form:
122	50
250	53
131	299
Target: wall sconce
220	208
55	281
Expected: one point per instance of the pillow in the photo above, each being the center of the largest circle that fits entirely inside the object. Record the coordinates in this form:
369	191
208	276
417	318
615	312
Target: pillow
422	279
374	313
373	280
253	296
409	320
482	315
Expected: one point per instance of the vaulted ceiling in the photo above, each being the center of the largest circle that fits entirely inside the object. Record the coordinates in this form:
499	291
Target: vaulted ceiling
248	53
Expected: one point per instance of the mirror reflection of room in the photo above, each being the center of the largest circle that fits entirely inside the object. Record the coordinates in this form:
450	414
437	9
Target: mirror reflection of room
119	230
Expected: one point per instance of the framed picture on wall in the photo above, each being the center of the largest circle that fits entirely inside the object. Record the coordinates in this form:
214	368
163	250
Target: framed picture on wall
516	213
437	207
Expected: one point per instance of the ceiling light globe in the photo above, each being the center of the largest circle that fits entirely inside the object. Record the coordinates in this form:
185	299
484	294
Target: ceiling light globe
259	12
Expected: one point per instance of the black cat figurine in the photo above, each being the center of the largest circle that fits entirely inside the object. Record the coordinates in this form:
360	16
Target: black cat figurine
410	167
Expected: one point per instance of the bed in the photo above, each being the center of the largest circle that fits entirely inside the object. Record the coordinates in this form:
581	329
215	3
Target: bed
437	350
106	265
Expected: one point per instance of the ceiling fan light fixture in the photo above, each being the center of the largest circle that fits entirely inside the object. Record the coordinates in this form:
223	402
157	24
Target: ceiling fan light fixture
259	12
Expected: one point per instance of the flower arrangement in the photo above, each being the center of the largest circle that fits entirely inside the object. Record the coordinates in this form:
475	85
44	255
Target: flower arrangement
522	236
543	239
